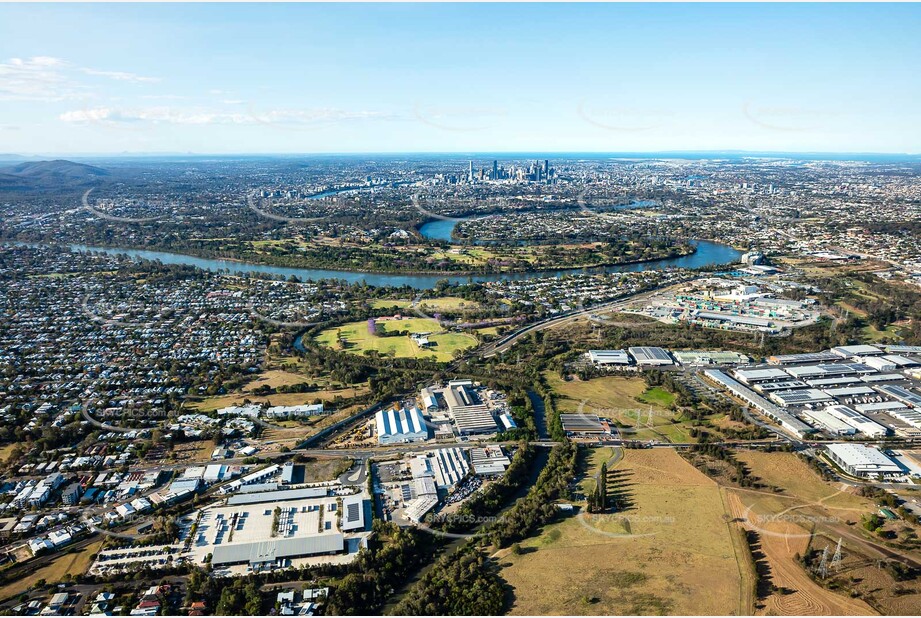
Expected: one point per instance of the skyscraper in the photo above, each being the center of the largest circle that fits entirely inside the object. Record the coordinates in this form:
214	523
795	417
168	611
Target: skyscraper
470	173
495	170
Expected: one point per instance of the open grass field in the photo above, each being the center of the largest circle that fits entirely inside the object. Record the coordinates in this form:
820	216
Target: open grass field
443	303
859	574
595	458
209	404
466	256
289	433
6	450
872	334
614	317
614	392
358	340
67	564
809	511
626	400
488	330
798	480
670	552
274	378
319	470
657	396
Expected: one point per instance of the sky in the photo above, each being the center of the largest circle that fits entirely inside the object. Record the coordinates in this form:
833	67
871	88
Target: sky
344	78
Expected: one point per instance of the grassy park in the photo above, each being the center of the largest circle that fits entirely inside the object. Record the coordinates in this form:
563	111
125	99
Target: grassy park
357	338
443	303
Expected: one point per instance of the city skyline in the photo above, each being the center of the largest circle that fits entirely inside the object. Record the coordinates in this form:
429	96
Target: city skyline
282	79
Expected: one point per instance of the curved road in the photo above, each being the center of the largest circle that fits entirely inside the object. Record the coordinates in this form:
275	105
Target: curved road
506	342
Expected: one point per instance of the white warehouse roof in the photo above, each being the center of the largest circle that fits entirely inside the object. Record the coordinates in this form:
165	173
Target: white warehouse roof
609	357
847	351
758	375
399	422
863	459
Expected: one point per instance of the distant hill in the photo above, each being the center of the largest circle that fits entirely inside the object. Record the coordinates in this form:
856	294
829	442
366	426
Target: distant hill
45	175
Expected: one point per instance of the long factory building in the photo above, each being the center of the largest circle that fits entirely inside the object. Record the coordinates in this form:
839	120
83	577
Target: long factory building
784	418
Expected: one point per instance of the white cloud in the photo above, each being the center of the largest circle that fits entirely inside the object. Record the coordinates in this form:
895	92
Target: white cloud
152	114
50	79
120	76
40	78
87	115
166	115
164	97
45	61
316	116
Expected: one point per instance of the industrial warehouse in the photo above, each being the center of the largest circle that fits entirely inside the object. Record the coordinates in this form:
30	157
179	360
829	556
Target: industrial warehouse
453	411
864	461
645	356
419	483
848	392
262	526
276	529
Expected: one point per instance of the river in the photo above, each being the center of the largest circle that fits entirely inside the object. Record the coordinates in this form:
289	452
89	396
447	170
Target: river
443	229
708	253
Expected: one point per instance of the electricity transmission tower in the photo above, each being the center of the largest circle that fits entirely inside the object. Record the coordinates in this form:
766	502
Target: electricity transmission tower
836	560
823	565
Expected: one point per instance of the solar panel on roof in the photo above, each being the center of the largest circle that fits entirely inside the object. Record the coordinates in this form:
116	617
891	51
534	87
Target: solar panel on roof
352	511
902	394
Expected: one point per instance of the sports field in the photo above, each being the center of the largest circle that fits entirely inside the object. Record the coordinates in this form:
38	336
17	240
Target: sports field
356	338
671	551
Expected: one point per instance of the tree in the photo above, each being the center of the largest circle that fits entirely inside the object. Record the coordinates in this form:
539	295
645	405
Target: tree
603	488
873	522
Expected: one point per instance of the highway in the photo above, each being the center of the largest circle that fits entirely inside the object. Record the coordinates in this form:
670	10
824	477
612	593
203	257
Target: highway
506	342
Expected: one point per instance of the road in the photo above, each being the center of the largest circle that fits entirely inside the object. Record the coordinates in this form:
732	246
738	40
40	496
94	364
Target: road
506	342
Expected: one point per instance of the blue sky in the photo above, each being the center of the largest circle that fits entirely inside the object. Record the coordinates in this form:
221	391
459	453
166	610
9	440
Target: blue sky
283	78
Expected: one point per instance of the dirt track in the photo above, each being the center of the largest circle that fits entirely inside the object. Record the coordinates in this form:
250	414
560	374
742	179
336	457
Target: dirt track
807	597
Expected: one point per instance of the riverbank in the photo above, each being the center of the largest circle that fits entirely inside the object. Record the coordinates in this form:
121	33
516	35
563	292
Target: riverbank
706	253
268	261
